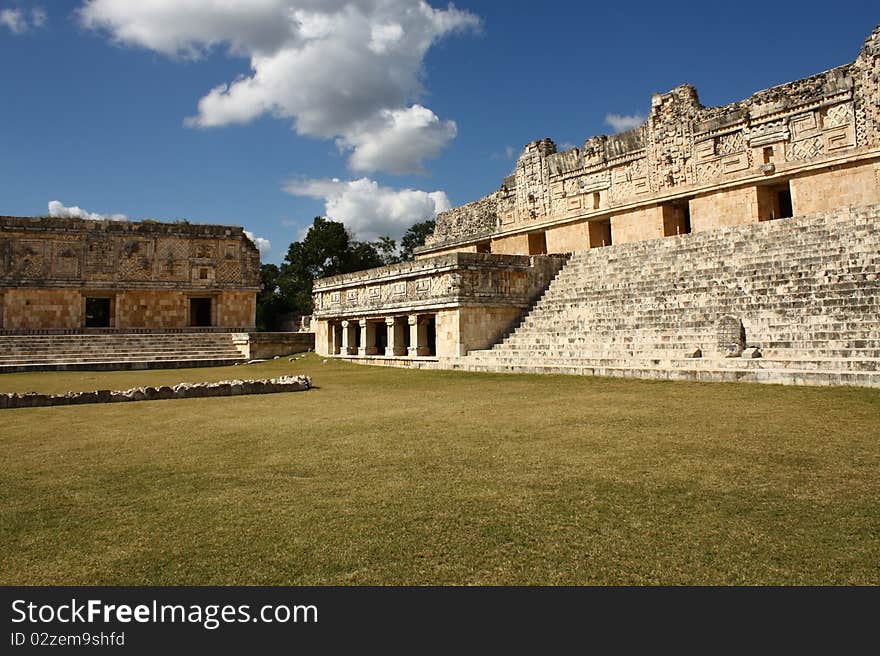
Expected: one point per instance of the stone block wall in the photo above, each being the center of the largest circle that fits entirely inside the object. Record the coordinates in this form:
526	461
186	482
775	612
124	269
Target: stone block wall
636	225
513	245
792	132
151	309
470	297
35	309
822	191
724	208
149	270
268	345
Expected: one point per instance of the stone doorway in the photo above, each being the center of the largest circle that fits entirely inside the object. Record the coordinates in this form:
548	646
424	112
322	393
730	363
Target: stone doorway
774	202
676	217
98	313
538	243
200	312
431	334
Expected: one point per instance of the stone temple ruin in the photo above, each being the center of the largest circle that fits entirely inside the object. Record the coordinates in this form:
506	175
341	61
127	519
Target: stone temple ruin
712	243
82	294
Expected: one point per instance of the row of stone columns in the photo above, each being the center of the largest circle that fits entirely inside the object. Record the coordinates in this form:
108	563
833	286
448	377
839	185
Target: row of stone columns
396	344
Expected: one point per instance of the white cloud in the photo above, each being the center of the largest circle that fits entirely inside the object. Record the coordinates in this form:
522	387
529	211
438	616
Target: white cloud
623	123
369	210
399	141
263	245
510	151
14	20
347	70
39	16
60	211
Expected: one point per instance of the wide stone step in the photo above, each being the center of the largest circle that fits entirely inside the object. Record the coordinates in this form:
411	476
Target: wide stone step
642	360
780	376
120	365
807	289
118	350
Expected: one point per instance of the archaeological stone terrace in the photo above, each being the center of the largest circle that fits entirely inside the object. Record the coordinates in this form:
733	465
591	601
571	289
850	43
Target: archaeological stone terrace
70	275
719	243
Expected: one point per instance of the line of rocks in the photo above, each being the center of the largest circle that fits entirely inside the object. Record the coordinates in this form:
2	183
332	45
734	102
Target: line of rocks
179	391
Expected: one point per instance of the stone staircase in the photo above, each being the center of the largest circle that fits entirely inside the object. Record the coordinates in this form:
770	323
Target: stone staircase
805	290
116	351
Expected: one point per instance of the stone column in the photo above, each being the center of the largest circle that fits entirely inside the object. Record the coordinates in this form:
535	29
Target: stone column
368	339
348	345
418	337
395	337
333	335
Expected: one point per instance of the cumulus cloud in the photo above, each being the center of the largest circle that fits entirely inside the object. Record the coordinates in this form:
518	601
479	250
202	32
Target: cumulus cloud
622	123
263	245
39	16
370	210
19	21
398	141
60	211
347	70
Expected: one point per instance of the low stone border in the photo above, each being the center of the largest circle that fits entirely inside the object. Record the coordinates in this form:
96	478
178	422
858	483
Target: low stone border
179	391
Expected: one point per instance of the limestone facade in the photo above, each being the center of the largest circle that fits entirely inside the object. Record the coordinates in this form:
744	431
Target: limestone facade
808	146
73	274
433	307
685	248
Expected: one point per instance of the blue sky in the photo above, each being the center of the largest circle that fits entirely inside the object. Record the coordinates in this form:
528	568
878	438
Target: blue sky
375	112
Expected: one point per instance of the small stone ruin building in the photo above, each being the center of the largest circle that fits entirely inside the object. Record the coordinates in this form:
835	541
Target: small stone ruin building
63	274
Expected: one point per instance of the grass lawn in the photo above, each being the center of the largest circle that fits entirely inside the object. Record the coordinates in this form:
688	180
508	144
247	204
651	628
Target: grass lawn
389	476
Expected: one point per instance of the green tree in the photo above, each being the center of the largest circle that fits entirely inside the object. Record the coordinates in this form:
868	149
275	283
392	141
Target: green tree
328	249
271	302
387	249
415	237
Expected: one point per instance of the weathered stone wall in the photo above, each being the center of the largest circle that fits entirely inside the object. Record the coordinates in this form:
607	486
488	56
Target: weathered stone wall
468	221
568	238
269	345
445	280
513	245
150	270
637	225
724	208
823	191
685	150
33	309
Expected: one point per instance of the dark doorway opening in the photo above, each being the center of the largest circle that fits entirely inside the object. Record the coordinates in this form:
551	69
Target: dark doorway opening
774	202
334	338
600	233
406	335
538	243
431	334
783	197
381	337
677	217
200	312
97	313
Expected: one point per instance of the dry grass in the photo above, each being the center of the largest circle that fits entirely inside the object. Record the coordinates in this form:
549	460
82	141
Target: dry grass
416	477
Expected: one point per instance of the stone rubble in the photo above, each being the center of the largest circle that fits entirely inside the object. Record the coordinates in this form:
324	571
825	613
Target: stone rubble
179	391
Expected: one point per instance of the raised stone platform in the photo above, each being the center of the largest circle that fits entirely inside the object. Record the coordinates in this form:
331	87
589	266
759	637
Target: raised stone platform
804	292
117	351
